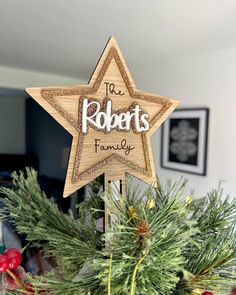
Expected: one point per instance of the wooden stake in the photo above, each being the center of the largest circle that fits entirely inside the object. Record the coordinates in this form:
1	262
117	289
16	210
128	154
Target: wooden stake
112	189
16	280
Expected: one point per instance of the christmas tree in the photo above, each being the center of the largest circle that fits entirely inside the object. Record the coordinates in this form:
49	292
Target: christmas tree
162	242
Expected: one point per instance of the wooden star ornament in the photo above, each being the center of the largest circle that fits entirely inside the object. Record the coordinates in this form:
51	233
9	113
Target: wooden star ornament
111	122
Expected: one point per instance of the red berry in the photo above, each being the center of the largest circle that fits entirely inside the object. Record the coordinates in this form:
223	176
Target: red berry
29	287
233	291
207	293
14	257
4	263
9	282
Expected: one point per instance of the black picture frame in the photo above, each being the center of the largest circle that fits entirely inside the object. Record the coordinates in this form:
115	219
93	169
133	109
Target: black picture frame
184	141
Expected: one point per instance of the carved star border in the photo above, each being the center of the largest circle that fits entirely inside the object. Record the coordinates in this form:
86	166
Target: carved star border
50	94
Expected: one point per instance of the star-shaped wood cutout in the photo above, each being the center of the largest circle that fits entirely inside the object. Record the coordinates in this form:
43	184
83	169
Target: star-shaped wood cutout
114	153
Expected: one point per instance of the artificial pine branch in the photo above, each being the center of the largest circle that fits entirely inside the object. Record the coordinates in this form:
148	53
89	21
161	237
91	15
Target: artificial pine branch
29	210
161	244
211	259
145	244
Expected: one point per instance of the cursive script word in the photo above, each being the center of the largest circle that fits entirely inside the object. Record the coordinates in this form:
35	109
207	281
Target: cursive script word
111	89
116	147
102	118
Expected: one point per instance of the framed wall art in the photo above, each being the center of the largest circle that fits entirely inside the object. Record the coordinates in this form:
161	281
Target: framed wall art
184	141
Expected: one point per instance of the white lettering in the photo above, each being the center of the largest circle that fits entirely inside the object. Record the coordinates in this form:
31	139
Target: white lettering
85	116
106	120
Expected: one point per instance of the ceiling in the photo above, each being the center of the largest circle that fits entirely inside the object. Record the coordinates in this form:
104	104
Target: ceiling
66	37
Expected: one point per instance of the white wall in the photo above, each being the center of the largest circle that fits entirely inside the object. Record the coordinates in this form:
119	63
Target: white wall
20	79
205	80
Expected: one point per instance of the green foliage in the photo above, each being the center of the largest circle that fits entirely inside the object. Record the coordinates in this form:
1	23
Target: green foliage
88	206
211	259
66	238
161	243
170	231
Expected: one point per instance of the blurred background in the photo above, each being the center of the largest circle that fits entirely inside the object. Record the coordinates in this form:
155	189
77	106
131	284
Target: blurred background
184	49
